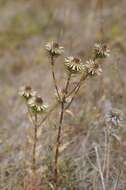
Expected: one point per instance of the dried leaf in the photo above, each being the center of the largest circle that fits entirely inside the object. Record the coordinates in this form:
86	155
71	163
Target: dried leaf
64	146
70	113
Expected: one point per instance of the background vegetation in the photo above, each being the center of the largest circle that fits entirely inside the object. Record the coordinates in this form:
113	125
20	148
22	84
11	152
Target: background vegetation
25	27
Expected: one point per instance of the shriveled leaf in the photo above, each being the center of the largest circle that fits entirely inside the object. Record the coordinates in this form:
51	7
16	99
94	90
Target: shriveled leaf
69	112
63	147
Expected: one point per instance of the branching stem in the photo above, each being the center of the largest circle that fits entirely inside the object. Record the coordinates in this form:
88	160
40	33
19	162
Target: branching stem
58	141
75	90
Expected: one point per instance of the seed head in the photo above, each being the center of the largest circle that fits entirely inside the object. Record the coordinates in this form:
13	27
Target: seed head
74	64
27	92
54	48
37	105
93	68
114	117
101	51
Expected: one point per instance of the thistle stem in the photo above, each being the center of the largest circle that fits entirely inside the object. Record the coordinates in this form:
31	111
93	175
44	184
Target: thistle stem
58	141
34	145
58	144
99	167
75	90
54	77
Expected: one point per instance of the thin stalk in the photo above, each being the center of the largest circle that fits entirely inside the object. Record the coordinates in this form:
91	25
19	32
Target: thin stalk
58	144
75	91
99	168
67	84
108	158
58	141
34	145
54	77
118	178
30	116
76	88
72	91
105	150
101	19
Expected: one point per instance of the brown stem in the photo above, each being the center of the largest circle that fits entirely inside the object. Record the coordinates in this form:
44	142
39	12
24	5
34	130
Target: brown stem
30	115
58	144
70	93
108	157
54	77
58	140
67	84
34	145
57	103
75	90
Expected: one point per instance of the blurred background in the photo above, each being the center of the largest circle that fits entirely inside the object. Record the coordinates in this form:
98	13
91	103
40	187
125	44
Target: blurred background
25	27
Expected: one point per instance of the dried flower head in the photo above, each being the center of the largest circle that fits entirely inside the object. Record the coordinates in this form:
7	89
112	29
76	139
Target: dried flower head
114	117
37	105
101	51
27	92
74	64
93	67
54	48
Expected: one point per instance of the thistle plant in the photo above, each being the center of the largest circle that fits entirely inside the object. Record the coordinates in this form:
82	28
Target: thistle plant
27	92
36	107
101	51
113	123
114	117
73	67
